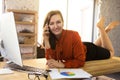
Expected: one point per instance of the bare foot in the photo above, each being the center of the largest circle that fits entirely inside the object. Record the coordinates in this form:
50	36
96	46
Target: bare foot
112	25
101	22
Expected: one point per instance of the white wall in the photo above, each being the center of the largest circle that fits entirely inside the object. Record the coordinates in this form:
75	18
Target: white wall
77	14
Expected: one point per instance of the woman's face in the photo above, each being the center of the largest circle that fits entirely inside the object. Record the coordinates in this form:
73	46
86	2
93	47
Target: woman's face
56	25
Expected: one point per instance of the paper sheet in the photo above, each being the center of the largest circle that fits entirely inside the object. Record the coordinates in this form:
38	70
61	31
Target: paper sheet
5	71
78	73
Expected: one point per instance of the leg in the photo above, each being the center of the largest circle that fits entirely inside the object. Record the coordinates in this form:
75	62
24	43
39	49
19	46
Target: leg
107	29
104	40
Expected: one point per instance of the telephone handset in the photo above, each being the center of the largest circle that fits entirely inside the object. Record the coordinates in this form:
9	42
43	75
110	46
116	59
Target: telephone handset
48	28
52	38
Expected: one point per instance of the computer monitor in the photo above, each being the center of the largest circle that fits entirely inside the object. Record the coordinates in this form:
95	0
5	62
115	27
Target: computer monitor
11	50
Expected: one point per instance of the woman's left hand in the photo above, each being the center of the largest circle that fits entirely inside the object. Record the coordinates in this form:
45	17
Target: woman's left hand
55	63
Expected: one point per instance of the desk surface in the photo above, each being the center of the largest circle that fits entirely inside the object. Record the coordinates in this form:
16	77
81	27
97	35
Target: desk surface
96	67
40	63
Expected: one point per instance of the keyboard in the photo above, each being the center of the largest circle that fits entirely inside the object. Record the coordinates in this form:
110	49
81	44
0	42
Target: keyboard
25	68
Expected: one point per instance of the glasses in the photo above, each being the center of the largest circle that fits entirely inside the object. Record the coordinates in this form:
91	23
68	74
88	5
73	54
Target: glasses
33	76
37	75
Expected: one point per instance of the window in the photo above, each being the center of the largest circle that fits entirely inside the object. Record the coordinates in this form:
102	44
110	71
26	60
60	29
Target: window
78	15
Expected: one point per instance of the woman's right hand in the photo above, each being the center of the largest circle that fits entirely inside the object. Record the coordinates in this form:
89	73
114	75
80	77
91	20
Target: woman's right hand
46	32
46	36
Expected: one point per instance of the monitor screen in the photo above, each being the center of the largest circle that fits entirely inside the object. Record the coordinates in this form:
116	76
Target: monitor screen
11	50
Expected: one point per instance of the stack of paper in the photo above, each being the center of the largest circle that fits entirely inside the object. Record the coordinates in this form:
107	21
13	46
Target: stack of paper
69	73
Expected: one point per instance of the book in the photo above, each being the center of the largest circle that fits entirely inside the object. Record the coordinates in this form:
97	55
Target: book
69	73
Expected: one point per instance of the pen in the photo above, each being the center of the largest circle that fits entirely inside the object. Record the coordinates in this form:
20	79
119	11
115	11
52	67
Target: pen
59	70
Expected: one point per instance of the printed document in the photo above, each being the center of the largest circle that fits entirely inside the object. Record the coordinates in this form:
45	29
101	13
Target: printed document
69	73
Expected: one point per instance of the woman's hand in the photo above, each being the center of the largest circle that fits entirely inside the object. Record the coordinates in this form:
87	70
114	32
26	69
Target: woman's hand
46	37
55	63
46	32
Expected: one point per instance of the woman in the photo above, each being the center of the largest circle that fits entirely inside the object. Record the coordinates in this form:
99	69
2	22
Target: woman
64	48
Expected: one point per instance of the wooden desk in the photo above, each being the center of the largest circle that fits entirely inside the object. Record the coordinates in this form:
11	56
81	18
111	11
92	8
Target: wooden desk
40	63
96	68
